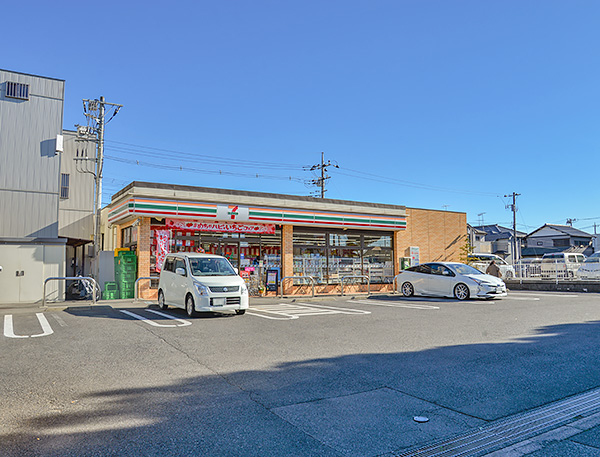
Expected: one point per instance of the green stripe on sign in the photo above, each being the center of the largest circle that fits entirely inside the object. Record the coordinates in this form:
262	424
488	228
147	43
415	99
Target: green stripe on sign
298	216
264	214
332	219
197	209
153	206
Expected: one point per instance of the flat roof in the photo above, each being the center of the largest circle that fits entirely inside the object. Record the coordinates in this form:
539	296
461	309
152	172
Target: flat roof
245	193
32	75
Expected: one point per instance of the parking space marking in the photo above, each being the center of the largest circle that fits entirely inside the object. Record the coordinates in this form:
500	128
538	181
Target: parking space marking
288	311
10	333
521	297
182	323
544	295
393	305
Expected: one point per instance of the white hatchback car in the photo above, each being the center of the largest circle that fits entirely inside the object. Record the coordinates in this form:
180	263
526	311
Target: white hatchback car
449	279
201	283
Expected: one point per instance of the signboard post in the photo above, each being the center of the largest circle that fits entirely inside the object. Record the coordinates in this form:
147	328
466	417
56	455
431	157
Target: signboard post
272	280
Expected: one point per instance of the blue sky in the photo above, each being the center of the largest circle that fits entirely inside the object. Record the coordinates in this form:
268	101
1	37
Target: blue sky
429	104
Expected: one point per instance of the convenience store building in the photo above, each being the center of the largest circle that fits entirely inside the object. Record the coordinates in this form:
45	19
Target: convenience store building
293	235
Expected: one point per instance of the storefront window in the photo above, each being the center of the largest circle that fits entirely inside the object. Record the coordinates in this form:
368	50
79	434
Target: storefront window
332	254
250	253
378	261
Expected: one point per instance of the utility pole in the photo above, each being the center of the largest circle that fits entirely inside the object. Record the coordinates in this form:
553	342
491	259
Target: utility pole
513	208
95	111
320	182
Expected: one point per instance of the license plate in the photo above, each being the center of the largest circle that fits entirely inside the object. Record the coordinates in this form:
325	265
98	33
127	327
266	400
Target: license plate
498	290
219	301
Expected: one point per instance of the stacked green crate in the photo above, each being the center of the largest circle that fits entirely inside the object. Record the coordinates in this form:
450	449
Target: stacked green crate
111	291
126	273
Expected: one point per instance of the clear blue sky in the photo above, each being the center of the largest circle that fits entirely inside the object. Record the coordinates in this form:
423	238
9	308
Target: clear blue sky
429	104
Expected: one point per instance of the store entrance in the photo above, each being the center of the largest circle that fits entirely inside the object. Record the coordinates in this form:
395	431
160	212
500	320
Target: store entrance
227	247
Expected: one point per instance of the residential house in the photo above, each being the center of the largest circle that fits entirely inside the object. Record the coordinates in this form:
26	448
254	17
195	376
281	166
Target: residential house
557	238
501	239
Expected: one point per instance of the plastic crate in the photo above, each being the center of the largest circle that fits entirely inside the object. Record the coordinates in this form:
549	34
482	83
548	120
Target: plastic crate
127	294
110	286
111	294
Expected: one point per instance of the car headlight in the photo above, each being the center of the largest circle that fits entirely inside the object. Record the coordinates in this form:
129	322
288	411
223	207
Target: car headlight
243	289
476	281
202	290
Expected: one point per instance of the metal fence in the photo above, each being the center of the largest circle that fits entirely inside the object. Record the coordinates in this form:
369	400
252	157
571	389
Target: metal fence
549	269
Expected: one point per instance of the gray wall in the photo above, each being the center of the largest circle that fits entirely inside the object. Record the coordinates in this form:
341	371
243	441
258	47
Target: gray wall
29	167
76	212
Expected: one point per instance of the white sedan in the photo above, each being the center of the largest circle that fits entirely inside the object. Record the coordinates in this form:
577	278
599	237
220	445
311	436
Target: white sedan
449	279
590	268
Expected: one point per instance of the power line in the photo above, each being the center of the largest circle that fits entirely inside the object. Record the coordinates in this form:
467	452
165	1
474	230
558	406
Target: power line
401	182
197	170
129	148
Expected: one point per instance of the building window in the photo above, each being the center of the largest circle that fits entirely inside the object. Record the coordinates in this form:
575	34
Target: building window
64	186
561	242
17	90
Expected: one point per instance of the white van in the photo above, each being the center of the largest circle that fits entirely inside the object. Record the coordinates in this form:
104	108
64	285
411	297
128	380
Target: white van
481	261
200	283
560	265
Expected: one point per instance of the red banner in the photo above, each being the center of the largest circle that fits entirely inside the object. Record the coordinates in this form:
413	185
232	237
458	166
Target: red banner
220	226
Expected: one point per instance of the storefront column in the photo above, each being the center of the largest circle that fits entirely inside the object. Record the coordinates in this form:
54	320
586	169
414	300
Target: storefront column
119	237
397	251
143	253
287	254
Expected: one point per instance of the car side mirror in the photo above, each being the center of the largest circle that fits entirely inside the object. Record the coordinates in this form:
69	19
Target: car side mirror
237	272
180	271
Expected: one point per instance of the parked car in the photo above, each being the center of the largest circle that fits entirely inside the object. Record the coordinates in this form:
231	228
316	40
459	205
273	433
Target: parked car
560	265
590	268
449	279
201	282
481	261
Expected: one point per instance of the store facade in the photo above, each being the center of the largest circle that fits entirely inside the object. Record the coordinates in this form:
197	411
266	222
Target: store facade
260	233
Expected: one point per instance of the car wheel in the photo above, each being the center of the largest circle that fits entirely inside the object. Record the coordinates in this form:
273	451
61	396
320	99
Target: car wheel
407	289
461	291
161	300
239	312
189	306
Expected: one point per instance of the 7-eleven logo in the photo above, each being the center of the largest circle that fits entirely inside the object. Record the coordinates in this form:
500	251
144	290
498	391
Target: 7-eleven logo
233	211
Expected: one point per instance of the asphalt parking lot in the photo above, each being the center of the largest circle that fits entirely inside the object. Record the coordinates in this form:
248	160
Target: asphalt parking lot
339	376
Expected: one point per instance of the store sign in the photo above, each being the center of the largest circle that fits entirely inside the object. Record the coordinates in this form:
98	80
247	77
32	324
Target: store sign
226	227
233	213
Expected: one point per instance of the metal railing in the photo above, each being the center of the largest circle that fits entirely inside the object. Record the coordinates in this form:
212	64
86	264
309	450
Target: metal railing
296	277
135	287
72	278
356	277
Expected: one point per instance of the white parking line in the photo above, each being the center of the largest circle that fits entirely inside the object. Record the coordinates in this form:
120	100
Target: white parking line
521	298
393	305
182	323
10	333
543	295
294	311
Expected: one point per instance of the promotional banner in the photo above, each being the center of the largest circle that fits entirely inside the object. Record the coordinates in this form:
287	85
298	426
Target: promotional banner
162	247
226	227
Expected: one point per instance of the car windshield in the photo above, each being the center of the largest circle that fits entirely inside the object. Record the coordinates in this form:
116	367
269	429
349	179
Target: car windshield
592	260
463	269
211	266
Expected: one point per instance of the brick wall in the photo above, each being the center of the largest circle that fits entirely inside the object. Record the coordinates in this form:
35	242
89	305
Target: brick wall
143	253
287	254
440	235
